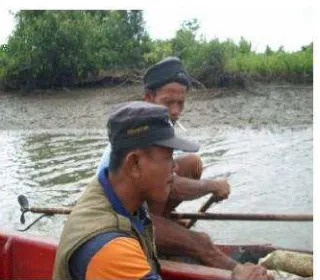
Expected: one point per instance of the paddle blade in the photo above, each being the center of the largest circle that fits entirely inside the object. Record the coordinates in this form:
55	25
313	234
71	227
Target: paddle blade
22	219
23	201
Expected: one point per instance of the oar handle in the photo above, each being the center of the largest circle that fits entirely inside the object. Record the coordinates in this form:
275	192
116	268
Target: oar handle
202	209
242	217
207	205
63	211
24	207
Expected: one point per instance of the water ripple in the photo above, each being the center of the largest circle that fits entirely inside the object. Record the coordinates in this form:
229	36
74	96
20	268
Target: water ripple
269	171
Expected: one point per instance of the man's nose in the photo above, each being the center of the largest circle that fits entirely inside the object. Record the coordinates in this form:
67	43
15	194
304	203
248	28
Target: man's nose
175	110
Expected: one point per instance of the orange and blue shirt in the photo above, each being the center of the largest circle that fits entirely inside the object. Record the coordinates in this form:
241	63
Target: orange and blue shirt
113	255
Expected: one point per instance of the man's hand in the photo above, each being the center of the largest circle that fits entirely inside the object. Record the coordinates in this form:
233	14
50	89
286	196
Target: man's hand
220	188
249	271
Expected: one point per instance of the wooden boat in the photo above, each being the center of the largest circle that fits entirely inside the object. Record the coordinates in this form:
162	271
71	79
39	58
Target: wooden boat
23	256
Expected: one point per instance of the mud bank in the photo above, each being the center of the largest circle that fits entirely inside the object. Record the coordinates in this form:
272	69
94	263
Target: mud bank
285	106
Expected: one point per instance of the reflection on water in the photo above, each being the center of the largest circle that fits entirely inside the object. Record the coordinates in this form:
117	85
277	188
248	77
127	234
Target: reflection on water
268	172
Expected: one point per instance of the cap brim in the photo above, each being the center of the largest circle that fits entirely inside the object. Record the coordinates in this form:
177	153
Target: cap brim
178	144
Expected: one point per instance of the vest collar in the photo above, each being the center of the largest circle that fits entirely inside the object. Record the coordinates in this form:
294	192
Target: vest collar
138	220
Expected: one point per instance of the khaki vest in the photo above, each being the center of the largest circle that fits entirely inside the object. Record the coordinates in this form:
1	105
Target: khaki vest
93	215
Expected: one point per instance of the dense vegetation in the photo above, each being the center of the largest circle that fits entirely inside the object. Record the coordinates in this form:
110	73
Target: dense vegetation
71	48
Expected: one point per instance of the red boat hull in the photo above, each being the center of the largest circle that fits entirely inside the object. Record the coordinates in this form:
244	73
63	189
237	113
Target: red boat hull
24	256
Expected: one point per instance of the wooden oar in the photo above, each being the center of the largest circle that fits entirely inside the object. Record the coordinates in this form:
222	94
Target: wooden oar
242	217
24	207
202	209
174	215
63	211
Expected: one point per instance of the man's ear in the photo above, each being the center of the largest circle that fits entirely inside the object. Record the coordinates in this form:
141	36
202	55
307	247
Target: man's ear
149	96
133	164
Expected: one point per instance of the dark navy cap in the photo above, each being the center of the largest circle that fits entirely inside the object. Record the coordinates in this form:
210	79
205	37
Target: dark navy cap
139	124
166	71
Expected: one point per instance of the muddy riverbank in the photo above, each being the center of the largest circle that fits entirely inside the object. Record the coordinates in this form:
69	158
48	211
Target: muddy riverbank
274	105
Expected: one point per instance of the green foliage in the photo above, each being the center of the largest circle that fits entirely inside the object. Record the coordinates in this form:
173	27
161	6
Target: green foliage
184	44
268	51
58	48
63	48
244	46
296	67
158	50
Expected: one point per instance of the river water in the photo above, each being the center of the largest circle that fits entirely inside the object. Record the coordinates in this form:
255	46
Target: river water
270	171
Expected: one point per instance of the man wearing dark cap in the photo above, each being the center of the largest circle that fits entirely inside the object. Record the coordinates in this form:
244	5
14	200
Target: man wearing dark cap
167	83
109	234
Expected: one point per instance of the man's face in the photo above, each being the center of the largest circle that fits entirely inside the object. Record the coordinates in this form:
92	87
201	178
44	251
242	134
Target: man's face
171	95
157	173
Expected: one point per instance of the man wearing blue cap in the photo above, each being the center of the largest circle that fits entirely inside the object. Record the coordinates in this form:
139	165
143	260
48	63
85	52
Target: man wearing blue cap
167	83
109	234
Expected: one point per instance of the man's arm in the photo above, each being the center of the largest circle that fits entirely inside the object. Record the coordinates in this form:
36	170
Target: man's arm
188	189
173	239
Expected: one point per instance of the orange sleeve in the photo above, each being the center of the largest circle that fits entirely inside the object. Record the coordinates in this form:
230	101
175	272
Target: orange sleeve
121	258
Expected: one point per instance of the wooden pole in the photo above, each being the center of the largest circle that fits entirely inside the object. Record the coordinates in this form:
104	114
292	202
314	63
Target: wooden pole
202	209
242	217
203	216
